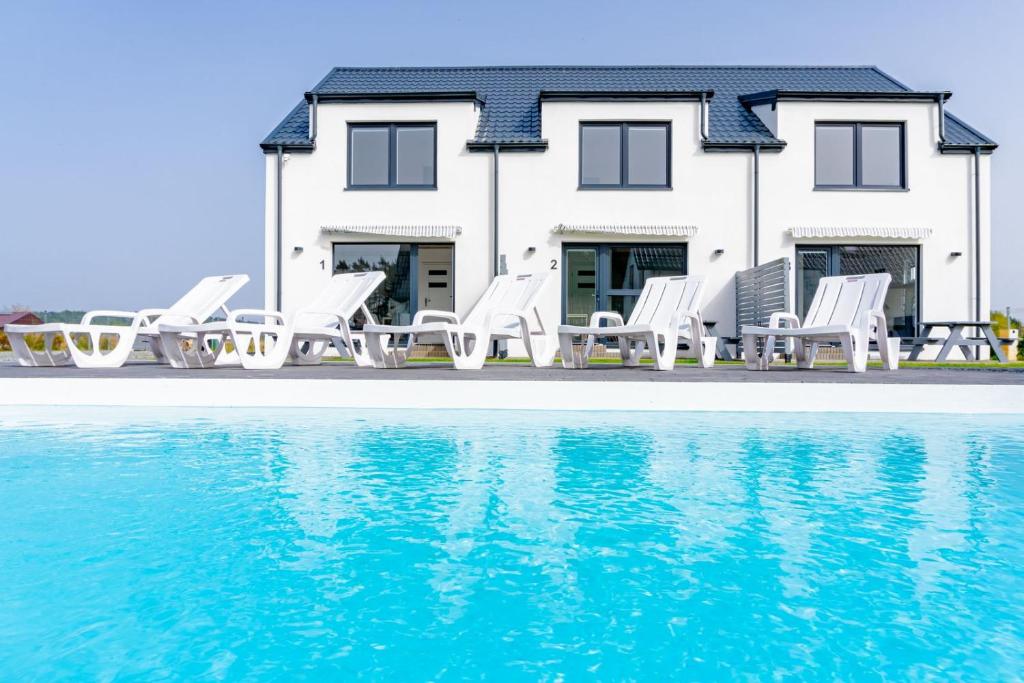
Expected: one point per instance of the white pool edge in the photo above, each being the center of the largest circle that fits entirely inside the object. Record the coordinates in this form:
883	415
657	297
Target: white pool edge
513	395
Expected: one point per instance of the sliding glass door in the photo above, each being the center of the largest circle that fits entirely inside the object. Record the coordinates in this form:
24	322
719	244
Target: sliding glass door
610	277
902	304
416	276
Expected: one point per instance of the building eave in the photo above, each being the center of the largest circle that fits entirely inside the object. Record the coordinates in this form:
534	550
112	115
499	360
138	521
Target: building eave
425	96
774	146
966	147
507	146
772	96
623	95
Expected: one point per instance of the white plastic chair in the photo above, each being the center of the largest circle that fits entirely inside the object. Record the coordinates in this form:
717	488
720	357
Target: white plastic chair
507	310
667	311
846	308
202	301
267	345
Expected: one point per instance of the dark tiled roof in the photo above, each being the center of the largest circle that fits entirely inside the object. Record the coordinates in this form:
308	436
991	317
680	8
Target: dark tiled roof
511	95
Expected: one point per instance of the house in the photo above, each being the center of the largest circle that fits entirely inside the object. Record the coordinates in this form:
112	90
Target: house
605	176
19	318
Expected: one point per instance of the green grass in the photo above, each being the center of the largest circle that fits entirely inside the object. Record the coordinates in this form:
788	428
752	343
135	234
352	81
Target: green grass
908	365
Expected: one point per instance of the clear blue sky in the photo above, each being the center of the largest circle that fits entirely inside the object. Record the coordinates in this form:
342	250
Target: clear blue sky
130	129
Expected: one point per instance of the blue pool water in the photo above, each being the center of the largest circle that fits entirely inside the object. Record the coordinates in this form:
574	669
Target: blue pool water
427	545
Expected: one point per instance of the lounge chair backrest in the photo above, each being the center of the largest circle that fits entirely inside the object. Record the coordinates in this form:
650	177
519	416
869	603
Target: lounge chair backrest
203	300
662	297
843	299
343	295
507	293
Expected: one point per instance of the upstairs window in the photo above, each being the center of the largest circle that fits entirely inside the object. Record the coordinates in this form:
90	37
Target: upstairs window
392	156
859	155
625	155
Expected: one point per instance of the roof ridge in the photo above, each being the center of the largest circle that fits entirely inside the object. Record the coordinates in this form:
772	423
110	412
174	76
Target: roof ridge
523	67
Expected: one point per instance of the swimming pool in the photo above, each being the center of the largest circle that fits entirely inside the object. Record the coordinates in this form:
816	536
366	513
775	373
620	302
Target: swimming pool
422	545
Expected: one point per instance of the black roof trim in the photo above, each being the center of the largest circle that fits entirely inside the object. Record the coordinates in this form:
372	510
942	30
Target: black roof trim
508	146
620	95
769	96
771	147
288	147
966	148
426	96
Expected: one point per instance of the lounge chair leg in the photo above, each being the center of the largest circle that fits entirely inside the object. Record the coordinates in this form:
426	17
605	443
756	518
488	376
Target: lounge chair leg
890	356
93	357
308	351
855	351
635	353
751	357
706	348
468	351
569	360
541	349
664	355
378	347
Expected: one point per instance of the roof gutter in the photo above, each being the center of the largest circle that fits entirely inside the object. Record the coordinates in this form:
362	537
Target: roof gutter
623	95
515	146
435	96
770	147
769	96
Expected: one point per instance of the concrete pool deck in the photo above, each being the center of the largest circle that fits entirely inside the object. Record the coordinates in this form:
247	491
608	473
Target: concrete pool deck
513	386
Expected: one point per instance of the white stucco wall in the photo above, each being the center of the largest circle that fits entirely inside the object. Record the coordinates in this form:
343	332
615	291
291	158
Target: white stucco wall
709	191
315	195
939	196
712	191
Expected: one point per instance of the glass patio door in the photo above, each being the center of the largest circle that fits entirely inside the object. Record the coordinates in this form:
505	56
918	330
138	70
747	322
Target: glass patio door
901	262
610	277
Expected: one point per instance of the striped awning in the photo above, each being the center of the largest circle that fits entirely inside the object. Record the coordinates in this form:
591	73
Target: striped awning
631	230
862	231
448	232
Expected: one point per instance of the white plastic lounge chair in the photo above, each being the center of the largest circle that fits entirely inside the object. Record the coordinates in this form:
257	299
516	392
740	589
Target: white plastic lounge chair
202	301
507	310
267	345
667	310
845	309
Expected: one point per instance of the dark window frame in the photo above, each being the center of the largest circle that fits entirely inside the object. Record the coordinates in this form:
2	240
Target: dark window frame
603	263
392	154
833	268
857	160
624	183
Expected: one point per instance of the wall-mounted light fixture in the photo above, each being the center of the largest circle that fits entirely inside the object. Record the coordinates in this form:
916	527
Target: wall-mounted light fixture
955	254
531	250
719	252
297	250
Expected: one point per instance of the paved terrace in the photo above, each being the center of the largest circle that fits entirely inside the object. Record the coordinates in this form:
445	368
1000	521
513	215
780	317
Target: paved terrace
514	372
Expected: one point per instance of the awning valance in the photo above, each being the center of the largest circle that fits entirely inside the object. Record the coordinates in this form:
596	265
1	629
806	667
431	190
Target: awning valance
854	232
631	230
447	232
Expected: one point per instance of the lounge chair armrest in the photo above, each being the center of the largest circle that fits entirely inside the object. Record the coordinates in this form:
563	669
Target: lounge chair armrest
784	316
613	317
92	315
445	316
874	321
245	312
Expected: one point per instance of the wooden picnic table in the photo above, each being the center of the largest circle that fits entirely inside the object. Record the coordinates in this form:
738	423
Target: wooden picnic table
985	336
